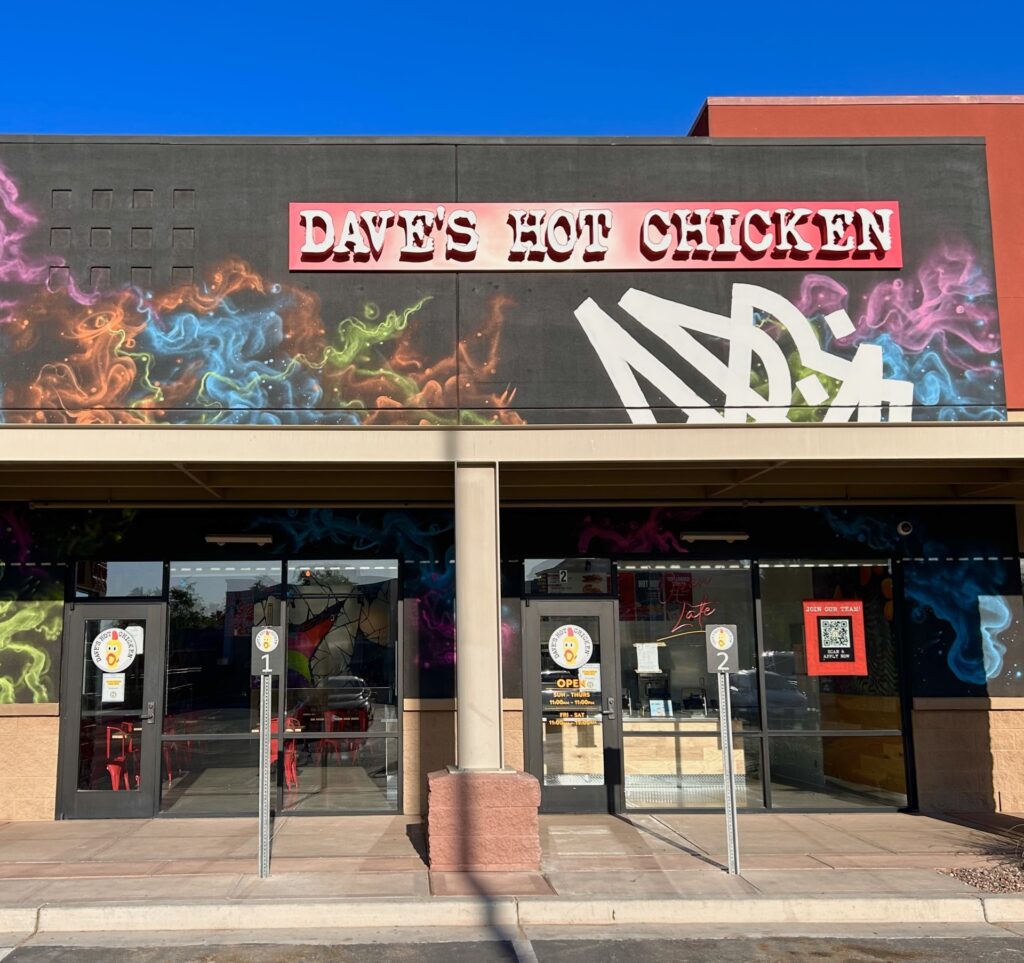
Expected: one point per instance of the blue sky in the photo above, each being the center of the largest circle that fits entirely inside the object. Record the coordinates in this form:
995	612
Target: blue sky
364	67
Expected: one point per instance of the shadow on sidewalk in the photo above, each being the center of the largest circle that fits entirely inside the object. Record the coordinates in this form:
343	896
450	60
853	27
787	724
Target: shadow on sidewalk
674	843
507	938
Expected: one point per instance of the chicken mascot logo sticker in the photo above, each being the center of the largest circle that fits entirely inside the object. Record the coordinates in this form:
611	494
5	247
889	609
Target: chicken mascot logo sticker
113	650
570	646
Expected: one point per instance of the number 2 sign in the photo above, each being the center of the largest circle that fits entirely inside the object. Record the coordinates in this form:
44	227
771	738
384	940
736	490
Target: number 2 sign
722	650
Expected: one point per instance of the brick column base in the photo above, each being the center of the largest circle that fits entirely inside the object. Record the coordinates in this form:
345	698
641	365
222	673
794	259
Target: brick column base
479	821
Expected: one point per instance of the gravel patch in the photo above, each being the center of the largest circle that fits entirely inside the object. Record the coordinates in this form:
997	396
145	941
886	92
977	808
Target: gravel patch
991	879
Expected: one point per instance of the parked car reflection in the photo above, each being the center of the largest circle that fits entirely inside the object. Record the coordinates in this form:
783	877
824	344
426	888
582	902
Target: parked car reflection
787	702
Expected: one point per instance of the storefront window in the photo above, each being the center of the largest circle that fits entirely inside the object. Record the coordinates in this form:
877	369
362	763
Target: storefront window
115	580
342	685
801	690
664	609
212	609
830	772
831	664
684	771
337	775
568	576
210	777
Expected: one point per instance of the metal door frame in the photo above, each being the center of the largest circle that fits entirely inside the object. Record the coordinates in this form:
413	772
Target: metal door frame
73	803
568	799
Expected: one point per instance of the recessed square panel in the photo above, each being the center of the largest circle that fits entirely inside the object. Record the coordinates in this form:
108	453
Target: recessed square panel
102	199
60	199
60	237
142	199
59	276
99	278
181	275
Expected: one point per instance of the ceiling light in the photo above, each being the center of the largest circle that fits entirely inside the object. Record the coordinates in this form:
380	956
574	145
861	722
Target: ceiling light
715	537
239	539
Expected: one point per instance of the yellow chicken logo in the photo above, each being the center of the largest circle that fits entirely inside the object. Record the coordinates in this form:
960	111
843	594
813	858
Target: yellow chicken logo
112	652
570	647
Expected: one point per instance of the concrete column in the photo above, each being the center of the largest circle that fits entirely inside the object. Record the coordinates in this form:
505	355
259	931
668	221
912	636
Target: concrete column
477	619
480	816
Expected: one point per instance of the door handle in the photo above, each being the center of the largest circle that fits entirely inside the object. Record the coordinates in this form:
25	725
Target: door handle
610	711
150	715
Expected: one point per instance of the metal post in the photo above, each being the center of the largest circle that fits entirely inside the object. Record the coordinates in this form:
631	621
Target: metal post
266	689
728	774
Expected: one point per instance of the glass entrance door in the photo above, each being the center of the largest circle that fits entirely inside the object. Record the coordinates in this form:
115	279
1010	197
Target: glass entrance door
110	710
572	704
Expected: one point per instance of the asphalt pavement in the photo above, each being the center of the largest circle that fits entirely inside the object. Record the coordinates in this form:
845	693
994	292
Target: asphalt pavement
912	950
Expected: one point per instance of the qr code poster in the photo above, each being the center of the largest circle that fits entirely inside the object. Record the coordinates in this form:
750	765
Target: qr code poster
834	633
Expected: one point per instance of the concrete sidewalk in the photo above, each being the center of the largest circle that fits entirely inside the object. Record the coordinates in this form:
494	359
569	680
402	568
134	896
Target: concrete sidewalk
144	875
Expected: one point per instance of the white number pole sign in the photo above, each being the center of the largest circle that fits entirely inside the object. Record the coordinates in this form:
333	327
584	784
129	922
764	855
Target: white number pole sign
723	659
266	659
266	686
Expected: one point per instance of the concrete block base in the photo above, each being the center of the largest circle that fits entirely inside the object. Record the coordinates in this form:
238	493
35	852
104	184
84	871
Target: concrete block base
482	821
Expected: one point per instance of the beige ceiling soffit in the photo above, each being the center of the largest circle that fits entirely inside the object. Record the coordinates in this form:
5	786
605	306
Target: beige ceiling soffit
197	480
745	480
1014	479
752	445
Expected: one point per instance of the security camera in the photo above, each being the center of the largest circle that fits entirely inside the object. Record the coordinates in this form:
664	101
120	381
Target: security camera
904	528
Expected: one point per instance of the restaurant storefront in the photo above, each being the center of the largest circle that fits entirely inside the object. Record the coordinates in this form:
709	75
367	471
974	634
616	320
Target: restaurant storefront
370	392
151	660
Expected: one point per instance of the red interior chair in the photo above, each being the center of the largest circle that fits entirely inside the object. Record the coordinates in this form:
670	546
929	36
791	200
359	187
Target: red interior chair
118	766
333	722
344	720
291	755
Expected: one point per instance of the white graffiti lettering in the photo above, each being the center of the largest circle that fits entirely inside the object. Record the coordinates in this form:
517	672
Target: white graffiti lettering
847	389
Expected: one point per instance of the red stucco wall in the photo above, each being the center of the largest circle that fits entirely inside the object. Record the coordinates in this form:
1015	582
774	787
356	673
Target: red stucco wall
1000	120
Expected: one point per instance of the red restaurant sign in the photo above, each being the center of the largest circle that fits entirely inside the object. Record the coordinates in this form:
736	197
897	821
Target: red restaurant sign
655	236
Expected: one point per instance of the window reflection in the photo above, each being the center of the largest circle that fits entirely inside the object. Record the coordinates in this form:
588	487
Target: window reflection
664	609
334	774
210	776
212	609
567	576
100	580
684	771
830	772
342	640
342	685
797	700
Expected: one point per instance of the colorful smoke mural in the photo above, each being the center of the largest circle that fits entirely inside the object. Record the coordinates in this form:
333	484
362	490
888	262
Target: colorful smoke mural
235	348
962	599
242	345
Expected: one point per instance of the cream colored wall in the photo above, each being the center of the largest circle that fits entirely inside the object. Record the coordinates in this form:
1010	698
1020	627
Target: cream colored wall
513	744
428	744
969	754
28	753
